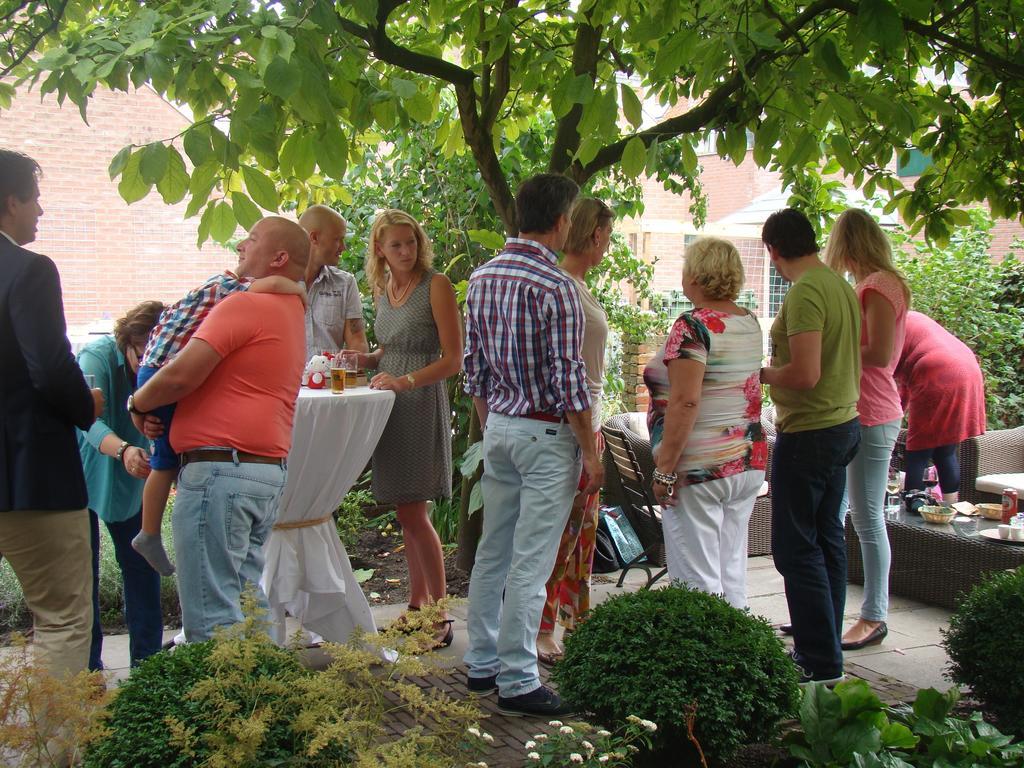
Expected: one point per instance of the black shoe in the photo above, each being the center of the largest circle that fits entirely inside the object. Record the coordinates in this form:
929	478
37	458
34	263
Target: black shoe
876	635
807	676
542	702
786	629
482	684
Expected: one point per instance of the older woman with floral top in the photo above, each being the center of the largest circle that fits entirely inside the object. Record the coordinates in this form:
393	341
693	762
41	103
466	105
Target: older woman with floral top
705	422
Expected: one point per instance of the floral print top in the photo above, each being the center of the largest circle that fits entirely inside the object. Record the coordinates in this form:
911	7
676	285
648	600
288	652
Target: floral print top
727	437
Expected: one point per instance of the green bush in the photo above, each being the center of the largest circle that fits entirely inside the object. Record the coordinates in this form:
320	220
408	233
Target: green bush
675	654
158	688
982	633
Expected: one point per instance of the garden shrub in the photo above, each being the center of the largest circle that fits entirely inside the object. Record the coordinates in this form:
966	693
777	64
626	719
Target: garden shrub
980	641
675	654
240	701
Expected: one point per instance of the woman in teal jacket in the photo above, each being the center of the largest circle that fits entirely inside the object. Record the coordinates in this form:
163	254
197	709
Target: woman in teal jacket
115	457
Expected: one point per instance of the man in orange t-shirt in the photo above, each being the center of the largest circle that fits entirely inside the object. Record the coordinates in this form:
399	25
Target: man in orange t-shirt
236	383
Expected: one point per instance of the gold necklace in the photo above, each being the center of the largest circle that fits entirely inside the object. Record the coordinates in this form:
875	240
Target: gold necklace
395	297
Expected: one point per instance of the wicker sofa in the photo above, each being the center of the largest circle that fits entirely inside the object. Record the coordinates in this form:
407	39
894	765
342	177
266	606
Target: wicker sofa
634	428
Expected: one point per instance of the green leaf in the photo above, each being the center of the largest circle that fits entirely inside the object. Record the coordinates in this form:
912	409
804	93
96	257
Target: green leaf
581	89
119	161
471	458
402	88
153	163
898	736
139	46
931	705
687	156
222	222
634	157
827	54
631	106
420	108
197	145
297	156
476	499
260	188
362	574
245	210
282	78
880	22
159	70
173	185
332	152
203	230
561	102
132	186
487	238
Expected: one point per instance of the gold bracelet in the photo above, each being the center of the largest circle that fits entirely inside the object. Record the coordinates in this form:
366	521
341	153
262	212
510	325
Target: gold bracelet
411	379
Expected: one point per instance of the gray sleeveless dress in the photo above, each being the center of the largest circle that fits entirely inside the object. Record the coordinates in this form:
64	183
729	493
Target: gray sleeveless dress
413	460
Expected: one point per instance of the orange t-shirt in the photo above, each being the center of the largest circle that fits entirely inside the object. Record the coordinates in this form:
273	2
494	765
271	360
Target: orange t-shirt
248	401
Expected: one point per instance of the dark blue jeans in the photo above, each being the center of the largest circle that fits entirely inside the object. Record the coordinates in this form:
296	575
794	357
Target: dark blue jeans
141	583
808	540
947	464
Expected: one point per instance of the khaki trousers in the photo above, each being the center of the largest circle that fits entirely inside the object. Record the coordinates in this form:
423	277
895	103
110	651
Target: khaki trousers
51	556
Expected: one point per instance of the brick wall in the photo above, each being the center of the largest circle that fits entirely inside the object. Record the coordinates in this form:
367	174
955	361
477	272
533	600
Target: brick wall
111	255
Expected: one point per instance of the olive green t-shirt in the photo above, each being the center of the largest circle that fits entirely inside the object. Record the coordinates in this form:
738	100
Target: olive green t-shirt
820	300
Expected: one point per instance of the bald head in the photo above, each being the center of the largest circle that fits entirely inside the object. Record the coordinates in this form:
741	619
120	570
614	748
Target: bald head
326	228
275	246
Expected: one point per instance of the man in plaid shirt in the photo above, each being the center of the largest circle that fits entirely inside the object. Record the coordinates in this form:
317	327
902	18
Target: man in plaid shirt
524	369
170	335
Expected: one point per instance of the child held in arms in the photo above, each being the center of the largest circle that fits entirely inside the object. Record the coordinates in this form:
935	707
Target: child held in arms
176	325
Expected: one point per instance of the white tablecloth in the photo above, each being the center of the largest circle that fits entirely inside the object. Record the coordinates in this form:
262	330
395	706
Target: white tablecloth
307	571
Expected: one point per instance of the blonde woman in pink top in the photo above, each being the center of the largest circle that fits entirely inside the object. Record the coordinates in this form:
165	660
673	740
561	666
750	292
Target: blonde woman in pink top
859	246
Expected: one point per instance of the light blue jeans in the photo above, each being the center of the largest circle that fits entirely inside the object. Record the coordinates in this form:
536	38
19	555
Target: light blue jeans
866	477
531	470
223	514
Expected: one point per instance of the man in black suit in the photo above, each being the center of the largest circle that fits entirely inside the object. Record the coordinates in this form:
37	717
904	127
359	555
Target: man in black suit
44	525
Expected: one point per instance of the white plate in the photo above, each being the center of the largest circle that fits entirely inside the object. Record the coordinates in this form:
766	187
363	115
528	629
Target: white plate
992	534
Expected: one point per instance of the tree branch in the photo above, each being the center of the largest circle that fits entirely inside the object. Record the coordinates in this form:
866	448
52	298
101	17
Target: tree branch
30	46
584	62
481	144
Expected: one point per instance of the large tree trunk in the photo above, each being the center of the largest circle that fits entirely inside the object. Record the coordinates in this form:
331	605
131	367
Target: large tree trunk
469	527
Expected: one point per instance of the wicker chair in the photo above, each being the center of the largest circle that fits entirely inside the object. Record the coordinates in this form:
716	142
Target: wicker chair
1001	450
623	447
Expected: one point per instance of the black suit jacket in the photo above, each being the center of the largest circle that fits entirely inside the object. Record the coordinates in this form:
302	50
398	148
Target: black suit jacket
43	395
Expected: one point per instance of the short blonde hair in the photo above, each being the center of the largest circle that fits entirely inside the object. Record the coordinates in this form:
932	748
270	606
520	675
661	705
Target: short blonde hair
588	214
858	245
715	265
376	265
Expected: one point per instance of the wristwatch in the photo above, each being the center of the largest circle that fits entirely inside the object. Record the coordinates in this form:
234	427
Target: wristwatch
121	449
131	406
411	379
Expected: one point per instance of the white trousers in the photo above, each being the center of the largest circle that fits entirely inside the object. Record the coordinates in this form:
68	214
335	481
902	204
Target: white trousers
706	534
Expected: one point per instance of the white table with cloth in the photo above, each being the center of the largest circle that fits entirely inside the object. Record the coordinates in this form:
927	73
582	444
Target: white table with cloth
307	571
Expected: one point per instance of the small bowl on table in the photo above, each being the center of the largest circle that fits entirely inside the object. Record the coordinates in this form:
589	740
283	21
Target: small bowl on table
938	514
991	511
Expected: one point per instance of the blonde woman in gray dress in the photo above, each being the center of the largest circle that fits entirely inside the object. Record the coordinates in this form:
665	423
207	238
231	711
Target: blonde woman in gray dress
420	336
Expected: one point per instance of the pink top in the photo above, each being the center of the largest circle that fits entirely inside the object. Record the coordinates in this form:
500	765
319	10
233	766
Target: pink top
879	398
248	401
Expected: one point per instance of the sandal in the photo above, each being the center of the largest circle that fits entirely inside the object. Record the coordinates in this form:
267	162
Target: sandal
449	636
549	659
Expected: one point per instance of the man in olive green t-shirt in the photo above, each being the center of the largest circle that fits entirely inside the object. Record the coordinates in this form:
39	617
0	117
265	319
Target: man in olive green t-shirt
814	381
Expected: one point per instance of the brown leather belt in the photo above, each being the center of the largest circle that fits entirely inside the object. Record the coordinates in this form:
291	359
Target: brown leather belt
549	417
229	457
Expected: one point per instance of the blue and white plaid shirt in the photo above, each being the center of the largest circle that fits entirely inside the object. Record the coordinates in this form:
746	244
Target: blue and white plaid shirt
524	334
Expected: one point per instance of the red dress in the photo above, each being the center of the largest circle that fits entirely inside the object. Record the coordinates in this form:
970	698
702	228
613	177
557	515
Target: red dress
941	382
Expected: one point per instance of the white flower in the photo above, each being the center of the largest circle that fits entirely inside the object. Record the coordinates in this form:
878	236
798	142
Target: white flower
649	725
487	738
565	729
633	719
604	734
588	746
541	737
554	723
530	744
603	759
473	731
532	756
576	757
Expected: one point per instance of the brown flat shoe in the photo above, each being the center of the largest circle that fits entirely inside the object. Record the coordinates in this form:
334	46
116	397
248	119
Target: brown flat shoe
549	659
